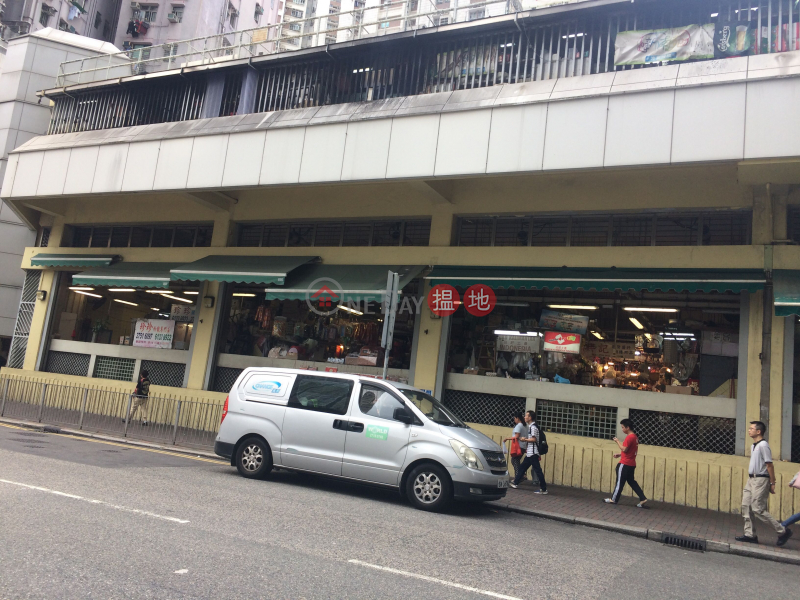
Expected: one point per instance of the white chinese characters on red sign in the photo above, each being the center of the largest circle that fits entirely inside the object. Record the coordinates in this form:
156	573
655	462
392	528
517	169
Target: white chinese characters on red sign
556	341
154	333
479	300
443	300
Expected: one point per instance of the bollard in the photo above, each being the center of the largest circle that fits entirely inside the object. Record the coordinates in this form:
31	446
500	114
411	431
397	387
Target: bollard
128	416
177	418
5	395
41	402
83	407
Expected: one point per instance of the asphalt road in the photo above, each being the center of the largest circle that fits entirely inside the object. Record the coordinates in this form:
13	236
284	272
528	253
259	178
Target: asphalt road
86	519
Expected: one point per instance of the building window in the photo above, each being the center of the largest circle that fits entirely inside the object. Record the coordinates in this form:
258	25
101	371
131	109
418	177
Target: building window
149	12
44	16
142	236
295	26
414	232
258	12
233	14
98	18
296	13
106	30
176	16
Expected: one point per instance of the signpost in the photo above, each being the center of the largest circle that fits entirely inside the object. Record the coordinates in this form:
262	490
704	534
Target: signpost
389	313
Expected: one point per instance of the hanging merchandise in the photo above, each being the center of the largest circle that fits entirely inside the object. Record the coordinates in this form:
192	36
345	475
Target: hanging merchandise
651	46
131	28
279	327
733	39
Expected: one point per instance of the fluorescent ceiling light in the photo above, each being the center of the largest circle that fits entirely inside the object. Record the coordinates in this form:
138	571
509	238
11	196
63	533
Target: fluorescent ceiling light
648	336
649	309
519	304
515	332
675	334
351	310
157	291
636	322
598	335
77	288
714	15
573	306
125	302
87	294
191	293
176	298
121	290
154	308
243	295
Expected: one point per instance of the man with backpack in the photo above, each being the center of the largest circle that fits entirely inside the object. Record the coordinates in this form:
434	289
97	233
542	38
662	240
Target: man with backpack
536	447
140	397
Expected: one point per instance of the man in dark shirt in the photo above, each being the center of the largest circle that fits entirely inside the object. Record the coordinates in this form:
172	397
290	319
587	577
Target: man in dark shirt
140	396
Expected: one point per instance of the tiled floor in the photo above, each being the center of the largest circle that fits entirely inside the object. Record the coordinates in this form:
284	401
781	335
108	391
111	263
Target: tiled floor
681	520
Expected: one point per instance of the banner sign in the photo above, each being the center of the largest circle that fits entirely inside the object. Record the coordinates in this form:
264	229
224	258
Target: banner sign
600	349
569	343
517	343
182	312
649	46
559	321
734	39
154	333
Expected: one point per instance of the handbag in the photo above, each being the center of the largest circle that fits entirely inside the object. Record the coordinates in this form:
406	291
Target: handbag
516	451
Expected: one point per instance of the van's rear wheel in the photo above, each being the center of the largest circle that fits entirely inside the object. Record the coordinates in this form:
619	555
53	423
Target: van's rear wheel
428	487
254	458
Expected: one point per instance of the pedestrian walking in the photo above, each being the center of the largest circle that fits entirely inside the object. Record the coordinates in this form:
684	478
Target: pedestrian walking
140	397
627	465
759	486
532	458
794	483
519	432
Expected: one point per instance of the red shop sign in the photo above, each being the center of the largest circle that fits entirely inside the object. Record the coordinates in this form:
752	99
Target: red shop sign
557	341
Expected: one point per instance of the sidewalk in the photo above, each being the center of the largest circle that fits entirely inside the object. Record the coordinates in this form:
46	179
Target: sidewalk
586	507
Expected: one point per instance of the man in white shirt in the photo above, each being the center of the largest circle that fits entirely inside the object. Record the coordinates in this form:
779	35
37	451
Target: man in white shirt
532	455
760	485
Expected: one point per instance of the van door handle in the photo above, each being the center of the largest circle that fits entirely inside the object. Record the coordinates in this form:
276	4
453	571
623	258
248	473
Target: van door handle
339	424
357	427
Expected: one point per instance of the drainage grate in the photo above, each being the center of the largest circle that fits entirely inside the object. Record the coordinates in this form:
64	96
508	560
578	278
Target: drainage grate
682	541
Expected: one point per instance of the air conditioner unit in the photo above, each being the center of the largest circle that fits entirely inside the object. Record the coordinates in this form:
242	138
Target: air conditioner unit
136	6
173	17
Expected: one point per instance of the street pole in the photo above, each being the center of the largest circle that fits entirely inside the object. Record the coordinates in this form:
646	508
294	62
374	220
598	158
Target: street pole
389	313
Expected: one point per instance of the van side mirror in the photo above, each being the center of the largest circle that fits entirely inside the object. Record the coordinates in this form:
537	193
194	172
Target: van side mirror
402	415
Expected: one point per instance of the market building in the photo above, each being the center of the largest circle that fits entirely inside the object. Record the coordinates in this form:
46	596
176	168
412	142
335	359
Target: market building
593	210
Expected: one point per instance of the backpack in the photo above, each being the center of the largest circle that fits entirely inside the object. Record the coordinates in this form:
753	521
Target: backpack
541	442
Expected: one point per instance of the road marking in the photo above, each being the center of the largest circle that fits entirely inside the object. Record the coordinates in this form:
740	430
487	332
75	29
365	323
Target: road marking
130	446
434	580
92	501
181	571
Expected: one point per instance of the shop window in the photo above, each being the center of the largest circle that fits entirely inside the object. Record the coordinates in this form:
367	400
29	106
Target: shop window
677	230
632	231
162	237
726	228
589	231
386	234
357	234
476	232
511	232
101	237
328	234
120	237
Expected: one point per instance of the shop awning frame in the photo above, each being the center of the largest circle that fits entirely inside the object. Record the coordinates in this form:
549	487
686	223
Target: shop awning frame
786	292
125	274
594	279
240	269
72	260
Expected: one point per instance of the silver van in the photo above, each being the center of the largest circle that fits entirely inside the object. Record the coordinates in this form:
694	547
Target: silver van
361	429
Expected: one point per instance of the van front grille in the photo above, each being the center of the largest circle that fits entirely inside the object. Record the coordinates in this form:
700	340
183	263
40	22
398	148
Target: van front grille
496	461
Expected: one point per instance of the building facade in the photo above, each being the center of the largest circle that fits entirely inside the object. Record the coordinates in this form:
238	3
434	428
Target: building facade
94	19
579	226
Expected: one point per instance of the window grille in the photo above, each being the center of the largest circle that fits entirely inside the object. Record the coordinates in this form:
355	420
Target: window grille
795	443
275	235
357	234
793	223
511	232
108	367
336	233
250	235
45	239
22	328
328	234
224	378
301	236
687	432
589	231
585	420
726	228
231	91
164	373
486	409
163	236
120	237
100	237
67	363
386	233
184	237
549	232
417	233
632	231
476	232
677	230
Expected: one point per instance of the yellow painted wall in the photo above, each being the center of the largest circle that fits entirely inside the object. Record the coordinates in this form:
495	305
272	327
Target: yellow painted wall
430	335
683	477
202	336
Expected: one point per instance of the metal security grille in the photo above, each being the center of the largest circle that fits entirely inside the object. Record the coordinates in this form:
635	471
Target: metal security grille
108	367
325	233
231	93
224	378
793	223
142	236
795	443
687	432
22	328
45	238
486	409
164	373
67	363
585	420
142	103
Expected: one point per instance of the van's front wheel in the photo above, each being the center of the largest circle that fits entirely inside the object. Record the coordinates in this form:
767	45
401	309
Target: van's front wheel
428	487
254	458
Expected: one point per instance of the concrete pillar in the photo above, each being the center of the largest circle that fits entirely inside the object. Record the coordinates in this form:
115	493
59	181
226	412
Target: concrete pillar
787	399
776	387
215	87
742	376
247	94
430	336
753	409
36	335
442	226
204	336
622	413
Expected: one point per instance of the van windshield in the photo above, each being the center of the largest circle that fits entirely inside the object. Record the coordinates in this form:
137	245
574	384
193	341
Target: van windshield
432	408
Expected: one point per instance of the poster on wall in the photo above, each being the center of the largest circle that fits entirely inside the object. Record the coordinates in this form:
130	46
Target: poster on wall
154	333
556	341
517	343
734	39
648	46
560	321
183	313
603	350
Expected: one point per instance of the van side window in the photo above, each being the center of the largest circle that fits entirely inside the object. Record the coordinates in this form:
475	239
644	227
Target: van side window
377	402
322	394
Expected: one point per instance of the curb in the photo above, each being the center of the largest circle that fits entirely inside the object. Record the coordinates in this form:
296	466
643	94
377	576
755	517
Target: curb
108	438
653	535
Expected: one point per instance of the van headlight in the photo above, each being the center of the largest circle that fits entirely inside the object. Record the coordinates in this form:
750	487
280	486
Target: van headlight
467	455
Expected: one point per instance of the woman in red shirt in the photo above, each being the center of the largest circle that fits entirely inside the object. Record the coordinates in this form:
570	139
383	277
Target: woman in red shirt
627	465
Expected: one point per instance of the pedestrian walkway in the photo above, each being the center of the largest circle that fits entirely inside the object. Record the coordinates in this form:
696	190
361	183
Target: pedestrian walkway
568	503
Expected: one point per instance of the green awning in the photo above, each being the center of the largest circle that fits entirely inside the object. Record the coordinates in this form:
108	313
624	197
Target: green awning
72	260
143	275
240	269
586	279
346	282
786	290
